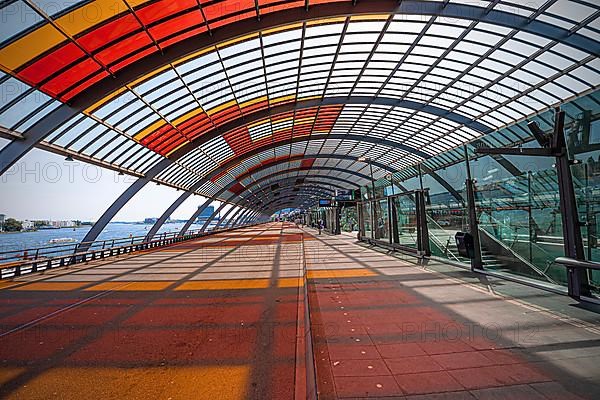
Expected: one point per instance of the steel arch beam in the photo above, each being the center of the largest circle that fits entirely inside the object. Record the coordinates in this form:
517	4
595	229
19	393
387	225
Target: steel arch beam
116	206
235	216
211	199
16	149
214	198
214	214
13	151
184	196
222	219
322	11
242	217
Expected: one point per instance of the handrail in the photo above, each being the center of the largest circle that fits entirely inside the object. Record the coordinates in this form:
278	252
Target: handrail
60	249
573	263
21	267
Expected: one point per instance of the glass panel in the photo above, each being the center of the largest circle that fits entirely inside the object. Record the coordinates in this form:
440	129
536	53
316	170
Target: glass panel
406	220
348	219
367	219
446	216
383	226
584	146
520	226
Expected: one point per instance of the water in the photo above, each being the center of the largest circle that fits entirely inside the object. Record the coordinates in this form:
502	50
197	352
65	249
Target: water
28	240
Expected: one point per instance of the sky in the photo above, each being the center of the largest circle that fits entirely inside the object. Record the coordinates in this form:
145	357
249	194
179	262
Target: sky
43	185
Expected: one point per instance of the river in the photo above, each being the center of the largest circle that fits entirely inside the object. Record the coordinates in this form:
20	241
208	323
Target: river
27	240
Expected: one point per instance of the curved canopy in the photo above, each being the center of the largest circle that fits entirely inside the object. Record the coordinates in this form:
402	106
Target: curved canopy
215	89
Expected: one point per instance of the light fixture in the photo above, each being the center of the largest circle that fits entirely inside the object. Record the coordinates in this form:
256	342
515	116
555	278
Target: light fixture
363	159
69	158
121	173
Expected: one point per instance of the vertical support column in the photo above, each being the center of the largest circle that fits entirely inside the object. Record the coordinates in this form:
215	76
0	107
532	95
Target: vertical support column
476	262
395	234
422	228
389	217
577	277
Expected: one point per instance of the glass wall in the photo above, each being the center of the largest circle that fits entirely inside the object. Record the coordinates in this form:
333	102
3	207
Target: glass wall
367	219
406	221
382	231
584	146
349	219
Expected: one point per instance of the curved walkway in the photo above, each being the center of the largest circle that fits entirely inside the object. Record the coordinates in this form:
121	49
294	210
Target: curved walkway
223	317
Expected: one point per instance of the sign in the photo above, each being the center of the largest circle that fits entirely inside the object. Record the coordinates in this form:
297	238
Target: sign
344	195
324	203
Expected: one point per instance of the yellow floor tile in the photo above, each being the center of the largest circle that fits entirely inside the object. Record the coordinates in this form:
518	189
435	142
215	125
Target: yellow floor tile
9	373
225	284
199	383
130	286
290	282
51	286
340	273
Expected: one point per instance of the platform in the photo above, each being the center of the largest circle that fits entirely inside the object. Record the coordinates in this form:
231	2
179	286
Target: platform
222	317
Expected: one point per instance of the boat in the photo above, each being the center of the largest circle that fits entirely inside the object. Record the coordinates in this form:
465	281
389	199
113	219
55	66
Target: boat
62	240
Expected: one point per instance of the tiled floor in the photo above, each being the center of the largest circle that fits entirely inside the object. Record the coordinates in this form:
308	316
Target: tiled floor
215	318
394	330
223	318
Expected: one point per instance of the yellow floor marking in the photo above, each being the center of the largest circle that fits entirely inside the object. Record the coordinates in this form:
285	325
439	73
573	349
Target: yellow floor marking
8	284
8	373
130	286
290	282
199	383
340	273
45	286
225	284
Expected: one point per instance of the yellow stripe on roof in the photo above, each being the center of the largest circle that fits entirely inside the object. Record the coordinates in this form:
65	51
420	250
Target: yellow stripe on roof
237	40
104	100
178	147
325	21
223	106
371	17
261	122
148	130
282	120
30	46
304	120
309	98
188	116
282	28
148	75
194	55
89	15
253	101
291	97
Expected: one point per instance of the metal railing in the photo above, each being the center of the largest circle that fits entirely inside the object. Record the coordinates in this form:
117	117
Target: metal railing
17	263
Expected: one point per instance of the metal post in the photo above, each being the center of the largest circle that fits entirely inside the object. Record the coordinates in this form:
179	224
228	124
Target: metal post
573	243
390	228
422	229
530	199
476	262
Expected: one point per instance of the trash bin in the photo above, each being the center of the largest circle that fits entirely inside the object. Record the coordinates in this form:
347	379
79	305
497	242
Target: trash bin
465	244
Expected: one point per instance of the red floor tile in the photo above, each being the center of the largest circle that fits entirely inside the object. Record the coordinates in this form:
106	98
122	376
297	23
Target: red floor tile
428	382
376	386
412	365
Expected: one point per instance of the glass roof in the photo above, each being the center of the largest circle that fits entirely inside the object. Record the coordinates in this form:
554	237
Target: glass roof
400	84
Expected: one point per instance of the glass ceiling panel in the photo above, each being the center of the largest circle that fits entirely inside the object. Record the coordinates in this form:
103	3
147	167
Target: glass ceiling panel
344	76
